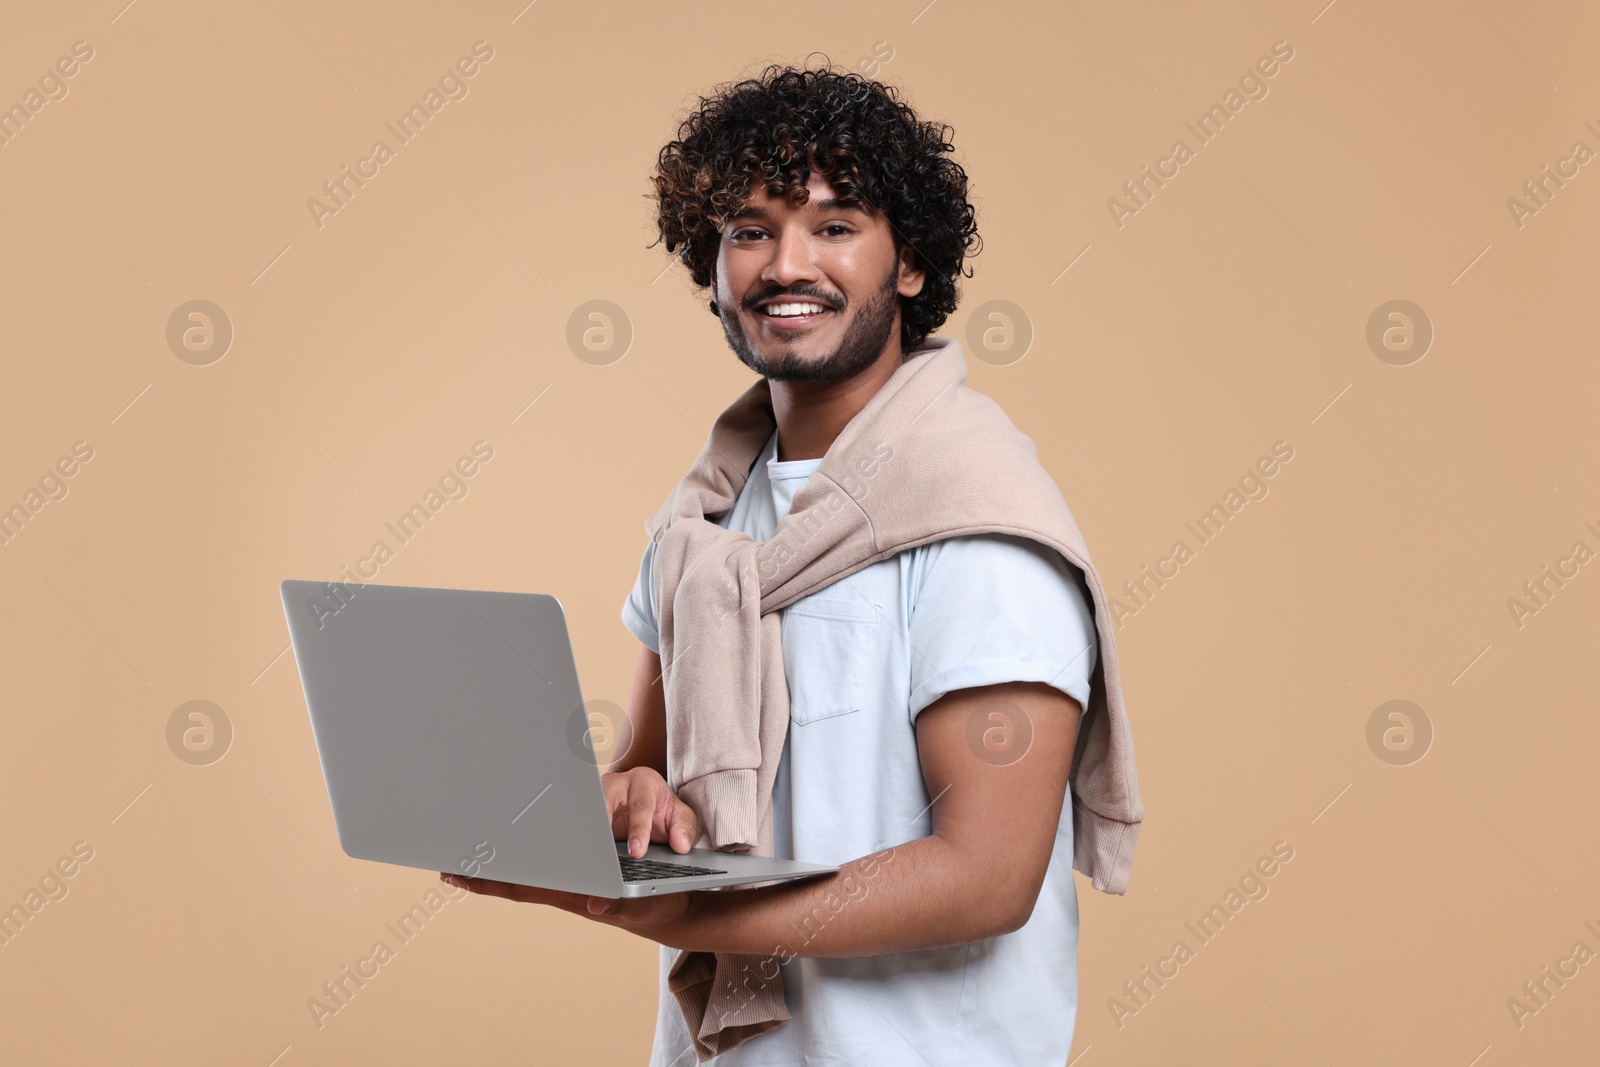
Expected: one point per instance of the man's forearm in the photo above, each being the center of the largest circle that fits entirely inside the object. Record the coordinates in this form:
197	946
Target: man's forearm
916	895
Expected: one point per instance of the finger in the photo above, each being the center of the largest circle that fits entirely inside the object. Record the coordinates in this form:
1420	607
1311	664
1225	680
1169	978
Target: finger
685	828
526	894
489	887
642	804
616	790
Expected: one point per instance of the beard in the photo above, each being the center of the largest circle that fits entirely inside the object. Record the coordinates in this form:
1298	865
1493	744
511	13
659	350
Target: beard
865	337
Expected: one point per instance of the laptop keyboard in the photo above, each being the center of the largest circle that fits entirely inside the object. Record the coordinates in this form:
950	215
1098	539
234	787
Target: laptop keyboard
643	870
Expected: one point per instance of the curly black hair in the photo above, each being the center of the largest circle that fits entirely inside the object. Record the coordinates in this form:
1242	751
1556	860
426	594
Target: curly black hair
854	131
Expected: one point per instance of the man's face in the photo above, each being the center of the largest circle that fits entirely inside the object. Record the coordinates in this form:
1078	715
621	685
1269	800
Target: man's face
835	264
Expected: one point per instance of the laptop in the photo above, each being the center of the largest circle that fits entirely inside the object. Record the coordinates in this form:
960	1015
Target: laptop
453	737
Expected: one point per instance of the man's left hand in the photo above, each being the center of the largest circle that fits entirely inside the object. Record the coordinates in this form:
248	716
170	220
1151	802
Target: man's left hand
664	919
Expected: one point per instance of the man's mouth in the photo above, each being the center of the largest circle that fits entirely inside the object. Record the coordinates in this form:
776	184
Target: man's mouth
792	314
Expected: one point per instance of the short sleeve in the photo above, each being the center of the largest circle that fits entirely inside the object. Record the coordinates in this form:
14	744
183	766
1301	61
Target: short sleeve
639	611
993	608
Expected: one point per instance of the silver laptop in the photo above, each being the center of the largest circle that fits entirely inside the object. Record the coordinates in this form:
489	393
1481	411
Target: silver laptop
454	737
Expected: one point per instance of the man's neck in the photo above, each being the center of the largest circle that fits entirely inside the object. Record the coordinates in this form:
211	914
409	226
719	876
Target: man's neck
811	415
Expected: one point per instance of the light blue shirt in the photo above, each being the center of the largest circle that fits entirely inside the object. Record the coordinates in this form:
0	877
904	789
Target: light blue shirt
863	656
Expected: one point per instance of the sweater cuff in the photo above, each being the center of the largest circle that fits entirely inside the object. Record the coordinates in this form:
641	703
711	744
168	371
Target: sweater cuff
725	804
1103	848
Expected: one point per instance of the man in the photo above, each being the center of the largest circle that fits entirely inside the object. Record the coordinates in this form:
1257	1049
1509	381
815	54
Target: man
831	229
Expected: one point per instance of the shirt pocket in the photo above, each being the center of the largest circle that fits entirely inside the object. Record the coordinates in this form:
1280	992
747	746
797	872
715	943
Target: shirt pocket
829	646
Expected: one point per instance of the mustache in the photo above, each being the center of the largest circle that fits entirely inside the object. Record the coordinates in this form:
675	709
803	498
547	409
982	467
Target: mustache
805	294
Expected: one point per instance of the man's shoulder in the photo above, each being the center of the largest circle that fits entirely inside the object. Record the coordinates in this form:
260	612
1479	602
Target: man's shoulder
989	570
984	554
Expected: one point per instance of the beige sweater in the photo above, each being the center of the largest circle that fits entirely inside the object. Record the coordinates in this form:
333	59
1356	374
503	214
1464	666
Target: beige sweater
927	458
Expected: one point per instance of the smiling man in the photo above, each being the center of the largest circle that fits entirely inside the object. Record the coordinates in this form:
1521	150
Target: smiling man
862	520
784	325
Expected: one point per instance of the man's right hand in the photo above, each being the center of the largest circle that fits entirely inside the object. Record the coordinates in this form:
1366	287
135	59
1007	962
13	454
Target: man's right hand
644	809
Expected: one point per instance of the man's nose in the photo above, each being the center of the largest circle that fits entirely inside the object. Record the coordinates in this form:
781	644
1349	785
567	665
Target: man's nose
792	259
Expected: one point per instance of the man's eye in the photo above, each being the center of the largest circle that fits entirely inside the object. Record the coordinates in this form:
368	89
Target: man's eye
739	235
837	226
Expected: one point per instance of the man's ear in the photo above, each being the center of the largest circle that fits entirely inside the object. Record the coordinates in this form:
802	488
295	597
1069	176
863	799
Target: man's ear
714	310
911	277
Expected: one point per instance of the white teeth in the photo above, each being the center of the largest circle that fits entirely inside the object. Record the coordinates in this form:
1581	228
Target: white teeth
784	310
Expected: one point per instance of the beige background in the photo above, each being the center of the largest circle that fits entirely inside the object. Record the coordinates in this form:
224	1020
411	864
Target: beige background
368	354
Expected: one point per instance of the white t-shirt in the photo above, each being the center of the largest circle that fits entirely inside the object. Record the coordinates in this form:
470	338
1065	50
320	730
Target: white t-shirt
862	657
